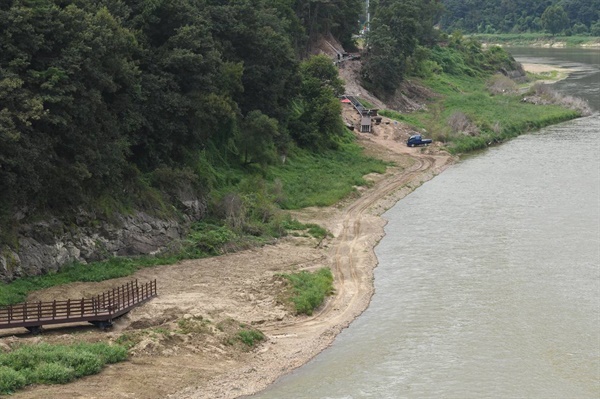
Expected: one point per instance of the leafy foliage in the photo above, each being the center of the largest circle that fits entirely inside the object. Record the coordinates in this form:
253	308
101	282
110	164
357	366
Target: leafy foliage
97	95
54	364
398	27
250	337
314	120
310	289
518	16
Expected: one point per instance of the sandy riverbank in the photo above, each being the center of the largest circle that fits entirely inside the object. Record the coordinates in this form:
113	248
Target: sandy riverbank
242	288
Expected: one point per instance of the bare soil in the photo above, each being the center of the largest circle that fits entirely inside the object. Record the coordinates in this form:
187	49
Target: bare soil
183	343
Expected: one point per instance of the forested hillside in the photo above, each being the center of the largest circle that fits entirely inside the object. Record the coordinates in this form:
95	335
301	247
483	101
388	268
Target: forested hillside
102	98
191	110
403	41
570	17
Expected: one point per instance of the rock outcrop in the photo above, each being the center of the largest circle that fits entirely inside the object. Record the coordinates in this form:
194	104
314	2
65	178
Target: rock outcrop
46	246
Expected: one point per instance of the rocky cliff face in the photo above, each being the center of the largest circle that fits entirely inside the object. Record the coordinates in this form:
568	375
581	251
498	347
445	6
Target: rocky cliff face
48	245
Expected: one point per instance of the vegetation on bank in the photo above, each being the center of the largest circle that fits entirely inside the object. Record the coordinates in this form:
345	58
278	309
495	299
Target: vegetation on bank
247	213
250	336
111	106
477	106
54	364
537	39
309	290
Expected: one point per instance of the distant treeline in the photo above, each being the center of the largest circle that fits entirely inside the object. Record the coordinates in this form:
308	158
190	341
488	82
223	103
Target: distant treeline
95	94
569	17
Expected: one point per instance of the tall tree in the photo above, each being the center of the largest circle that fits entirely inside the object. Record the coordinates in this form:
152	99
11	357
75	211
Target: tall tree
555	19
73	72
398	26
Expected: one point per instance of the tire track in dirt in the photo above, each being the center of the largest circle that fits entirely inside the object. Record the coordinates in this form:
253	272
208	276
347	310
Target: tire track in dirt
291	343
351	286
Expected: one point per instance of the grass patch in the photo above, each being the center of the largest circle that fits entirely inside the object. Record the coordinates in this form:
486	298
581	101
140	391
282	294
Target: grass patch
322	179
366	104
313	230
194	325
239	334
250	337
309	290
550	75
491	118
409	119
54	364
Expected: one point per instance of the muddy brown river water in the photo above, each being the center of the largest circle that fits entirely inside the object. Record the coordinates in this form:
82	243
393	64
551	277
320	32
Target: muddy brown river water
489	278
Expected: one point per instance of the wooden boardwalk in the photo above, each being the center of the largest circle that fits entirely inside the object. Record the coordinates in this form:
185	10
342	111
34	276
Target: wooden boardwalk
100	310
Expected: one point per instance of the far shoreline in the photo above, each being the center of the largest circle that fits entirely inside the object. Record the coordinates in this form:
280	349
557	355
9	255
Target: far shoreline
537	40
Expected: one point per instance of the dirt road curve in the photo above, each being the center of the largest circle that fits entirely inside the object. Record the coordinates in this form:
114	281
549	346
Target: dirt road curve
242	288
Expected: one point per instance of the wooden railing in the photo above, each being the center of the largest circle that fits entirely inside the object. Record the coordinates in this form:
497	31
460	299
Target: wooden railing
100	310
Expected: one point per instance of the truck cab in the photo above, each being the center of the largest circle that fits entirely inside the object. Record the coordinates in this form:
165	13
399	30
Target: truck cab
417	140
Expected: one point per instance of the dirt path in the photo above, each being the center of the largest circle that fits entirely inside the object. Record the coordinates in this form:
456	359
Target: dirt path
216	295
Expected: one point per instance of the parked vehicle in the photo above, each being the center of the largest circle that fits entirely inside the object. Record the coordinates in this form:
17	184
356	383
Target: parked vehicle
417	140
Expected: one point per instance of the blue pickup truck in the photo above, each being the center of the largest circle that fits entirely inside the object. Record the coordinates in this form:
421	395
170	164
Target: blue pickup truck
416	140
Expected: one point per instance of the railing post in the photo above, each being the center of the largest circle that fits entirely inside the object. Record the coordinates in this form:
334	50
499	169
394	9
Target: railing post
68	308
39	310
82	306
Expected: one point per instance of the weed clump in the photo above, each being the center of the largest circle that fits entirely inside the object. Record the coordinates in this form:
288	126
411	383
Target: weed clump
543	94
54	364
309	290
250	337
461	123
500	84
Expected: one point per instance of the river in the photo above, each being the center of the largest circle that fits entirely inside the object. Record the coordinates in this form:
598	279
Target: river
488	284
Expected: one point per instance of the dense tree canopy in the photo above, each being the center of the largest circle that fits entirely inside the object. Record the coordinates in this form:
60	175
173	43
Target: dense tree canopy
96	93
398	27
104	97
504	16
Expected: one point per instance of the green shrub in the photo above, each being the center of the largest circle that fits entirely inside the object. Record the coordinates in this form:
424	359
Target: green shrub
53	373
250	337
107	353
10	380
54	364
311	179
317	231
310	289
210	238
